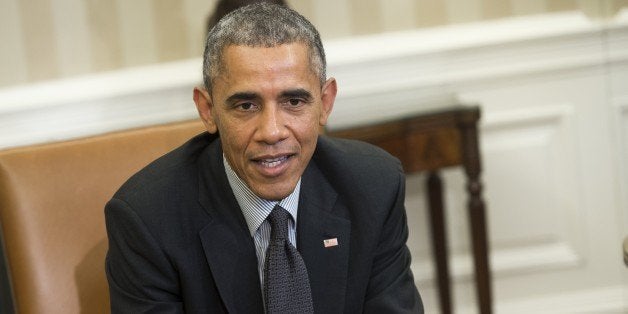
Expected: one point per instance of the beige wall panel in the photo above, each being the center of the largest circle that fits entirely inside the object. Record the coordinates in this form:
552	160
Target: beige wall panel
619	4
526	7
365	16
137	32
305	7
494	9
72	37
561	5
398	14
47	39
600	10
39	39
12	54
332	18
594	10
196	14
431	13
463	11
612	7
171	30
105	37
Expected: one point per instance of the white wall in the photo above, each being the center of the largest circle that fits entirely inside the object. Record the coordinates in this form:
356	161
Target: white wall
554	95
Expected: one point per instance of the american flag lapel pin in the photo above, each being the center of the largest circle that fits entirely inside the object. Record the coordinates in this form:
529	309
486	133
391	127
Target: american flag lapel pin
330	242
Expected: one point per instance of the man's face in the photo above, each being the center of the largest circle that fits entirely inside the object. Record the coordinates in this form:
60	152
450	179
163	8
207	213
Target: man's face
267	105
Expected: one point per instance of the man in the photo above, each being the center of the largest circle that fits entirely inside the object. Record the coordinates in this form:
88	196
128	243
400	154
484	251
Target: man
261	214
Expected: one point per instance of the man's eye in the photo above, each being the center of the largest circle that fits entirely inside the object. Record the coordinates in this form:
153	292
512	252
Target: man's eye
295	101
246	106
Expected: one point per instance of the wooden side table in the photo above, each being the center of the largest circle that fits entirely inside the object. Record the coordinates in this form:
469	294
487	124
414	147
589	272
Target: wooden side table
430	142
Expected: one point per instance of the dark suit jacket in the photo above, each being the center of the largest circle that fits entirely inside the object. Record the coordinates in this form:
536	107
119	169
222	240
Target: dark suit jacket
178	241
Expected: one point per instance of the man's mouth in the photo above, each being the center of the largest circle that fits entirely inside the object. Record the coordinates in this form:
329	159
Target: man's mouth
273	162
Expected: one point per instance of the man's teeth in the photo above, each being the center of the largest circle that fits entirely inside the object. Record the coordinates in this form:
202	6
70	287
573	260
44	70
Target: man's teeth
273	162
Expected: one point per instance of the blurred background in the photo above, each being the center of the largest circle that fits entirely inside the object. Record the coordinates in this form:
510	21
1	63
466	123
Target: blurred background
550	76
49	39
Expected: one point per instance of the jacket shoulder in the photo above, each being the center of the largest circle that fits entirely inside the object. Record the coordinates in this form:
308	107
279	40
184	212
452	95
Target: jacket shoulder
358	168
174	165
346	154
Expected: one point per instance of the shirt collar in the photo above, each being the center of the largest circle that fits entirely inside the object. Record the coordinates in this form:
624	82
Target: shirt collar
254	208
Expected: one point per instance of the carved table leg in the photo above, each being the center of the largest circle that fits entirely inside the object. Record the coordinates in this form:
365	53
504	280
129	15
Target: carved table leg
477	216
439	240
480	250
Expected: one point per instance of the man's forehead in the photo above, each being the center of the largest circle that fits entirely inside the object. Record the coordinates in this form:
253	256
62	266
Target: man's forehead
256	57
232	49
243	62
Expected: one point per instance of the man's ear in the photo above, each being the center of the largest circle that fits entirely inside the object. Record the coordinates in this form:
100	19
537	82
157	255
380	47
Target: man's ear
328	96
204	106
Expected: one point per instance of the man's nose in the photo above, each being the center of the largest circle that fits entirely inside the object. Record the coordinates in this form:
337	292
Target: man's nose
272	127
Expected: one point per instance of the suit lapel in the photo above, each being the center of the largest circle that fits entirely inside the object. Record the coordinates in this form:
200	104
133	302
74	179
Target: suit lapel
227	243
319	219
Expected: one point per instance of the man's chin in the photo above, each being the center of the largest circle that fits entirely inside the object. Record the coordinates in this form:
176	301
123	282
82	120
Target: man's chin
274	192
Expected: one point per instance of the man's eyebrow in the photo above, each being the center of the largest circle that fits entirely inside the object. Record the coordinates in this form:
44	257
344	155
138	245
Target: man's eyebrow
297	93
242	96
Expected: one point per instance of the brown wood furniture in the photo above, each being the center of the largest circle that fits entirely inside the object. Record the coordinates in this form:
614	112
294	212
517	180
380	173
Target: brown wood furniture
430	142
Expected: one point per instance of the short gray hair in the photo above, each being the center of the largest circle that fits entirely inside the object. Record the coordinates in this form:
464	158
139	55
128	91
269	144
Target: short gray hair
261	25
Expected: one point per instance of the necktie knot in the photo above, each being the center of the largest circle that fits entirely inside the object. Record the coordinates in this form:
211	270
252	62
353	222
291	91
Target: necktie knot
279	223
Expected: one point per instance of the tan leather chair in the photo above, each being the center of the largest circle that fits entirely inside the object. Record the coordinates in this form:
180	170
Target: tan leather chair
52	199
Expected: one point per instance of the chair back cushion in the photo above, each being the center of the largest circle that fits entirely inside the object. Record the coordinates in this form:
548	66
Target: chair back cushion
52	199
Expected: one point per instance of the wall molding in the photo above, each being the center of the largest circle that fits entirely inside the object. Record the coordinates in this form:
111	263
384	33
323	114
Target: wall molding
527	115
620	111
607	300
504	262
408	71
538	125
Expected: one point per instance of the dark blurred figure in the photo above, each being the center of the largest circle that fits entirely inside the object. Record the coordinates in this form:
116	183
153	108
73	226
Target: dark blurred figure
225	6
